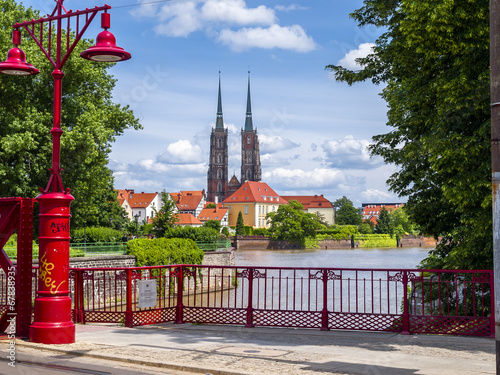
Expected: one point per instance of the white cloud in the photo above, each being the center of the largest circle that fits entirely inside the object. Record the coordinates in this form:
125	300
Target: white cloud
236	11
301	179
289	8
179	18
350	153
182	19
285	37
376	196
181	152
349	60
274	143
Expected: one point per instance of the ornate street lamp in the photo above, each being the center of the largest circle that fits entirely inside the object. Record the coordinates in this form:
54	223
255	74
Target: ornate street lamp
52	323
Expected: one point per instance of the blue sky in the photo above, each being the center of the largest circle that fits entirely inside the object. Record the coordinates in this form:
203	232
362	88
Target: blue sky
313	131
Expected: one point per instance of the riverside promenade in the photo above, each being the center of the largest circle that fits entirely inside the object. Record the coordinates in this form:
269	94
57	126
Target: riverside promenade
230	350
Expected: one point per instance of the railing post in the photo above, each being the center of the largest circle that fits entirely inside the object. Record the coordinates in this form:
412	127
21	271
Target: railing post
250	299
129	315
76	306
179	310
492	302
406	314
324	311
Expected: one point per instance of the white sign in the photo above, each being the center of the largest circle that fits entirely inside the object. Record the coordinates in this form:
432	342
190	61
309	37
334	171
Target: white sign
147	293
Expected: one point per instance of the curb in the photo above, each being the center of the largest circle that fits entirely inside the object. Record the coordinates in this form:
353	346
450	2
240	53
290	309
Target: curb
170	366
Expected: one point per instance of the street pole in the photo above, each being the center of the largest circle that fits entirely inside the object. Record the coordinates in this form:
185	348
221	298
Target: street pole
52	322
495	161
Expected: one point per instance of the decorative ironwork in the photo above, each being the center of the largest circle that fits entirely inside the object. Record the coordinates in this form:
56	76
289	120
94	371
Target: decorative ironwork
331	275
256	274
398	277
318	275
290	300
481	278
414	278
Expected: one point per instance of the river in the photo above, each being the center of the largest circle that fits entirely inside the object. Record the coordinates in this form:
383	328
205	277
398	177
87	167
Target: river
356	258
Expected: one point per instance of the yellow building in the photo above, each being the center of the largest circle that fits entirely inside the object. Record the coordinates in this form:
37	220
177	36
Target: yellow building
254	200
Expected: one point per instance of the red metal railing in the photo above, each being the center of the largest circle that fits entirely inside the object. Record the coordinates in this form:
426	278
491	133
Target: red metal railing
406	301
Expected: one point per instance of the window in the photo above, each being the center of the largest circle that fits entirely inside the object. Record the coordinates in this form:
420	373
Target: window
248	140
219	173
219	187
249	175
246	209
219	158
249	159
219	143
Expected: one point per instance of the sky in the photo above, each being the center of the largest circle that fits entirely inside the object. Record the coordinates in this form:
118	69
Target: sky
313	131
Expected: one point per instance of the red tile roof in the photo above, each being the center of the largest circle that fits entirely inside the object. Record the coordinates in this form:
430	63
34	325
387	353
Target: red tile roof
310	201
141	200
188	219
374	209
212	214
255	192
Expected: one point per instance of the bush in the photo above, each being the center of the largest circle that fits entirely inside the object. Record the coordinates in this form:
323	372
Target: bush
375	240
225	231
260	232
200	234
96	234
339	232
164	251
248	230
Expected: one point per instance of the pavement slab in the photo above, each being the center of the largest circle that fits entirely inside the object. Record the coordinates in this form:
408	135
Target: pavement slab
232	350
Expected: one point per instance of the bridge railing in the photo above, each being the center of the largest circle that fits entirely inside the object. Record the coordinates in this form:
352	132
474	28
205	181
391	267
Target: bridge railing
406	301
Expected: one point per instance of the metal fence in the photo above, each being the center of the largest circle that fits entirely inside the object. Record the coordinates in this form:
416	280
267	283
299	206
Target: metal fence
407	301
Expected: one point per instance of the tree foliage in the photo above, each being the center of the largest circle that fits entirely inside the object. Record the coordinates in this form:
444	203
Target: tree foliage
385	224
433	58
166	217
291	223
90	121
346	213
240	226
214	224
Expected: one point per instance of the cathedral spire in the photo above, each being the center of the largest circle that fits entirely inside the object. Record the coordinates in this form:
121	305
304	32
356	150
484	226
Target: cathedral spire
248	119
219	124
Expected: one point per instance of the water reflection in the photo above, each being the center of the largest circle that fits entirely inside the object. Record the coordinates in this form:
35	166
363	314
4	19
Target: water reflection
355	258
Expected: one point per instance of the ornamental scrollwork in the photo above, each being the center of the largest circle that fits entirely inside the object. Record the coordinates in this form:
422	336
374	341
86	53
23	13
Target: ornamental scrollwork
397	277
481	278
333	276
318	275
256	274
414	278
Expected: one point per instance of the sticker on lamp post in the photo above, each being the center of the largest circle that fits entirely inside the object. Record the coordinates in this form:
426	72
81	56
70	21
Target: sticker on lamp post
147	293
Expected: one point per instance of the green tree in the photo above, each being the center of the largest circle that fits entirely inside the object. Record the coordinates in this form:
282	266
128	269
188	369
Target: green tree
291	223
166	216
433	58
385	224
240	226
214	224
90	121
346	213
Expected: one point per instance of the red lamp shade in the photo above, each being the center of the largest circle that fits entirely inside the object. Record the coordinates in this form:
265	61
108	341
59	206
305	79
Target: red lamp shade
105	49
16	64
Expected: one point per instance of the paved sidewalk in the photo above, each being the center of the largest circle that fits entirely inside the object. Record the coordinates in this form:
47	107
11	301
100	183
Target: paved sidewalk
221	350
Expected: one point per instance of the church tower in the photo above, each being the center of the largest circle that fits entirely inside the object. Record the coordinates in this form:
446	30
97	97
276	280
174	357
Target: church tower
250	153
217	177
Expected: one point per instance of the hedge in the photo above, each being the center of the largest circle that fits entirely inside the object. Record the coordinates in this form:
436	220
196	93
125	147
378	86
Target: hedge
164	251
96	234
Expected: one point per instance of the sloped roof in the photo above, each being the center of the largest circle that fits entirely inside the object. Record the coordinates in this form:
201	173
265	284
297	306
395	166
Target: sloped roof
310	201
374	209
141	200
212	214
188	219
188	202
255	192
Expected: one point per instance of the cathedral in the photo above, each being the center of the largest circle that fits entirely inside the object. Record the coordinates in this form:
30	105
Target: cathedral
219	187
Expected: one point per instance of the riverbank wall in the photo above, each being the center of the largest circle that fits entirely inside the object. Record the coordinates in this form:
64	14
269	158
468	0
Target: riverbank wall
265	243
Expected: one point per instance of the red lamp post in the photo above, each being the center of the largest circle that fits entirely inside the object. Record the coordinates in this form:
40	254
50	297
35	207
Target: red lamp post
53	324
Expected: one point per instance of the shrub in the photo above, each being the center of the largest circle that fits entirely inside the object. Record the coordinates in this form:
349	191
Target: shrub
248	230
96	234
260	232
164	251
201	234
